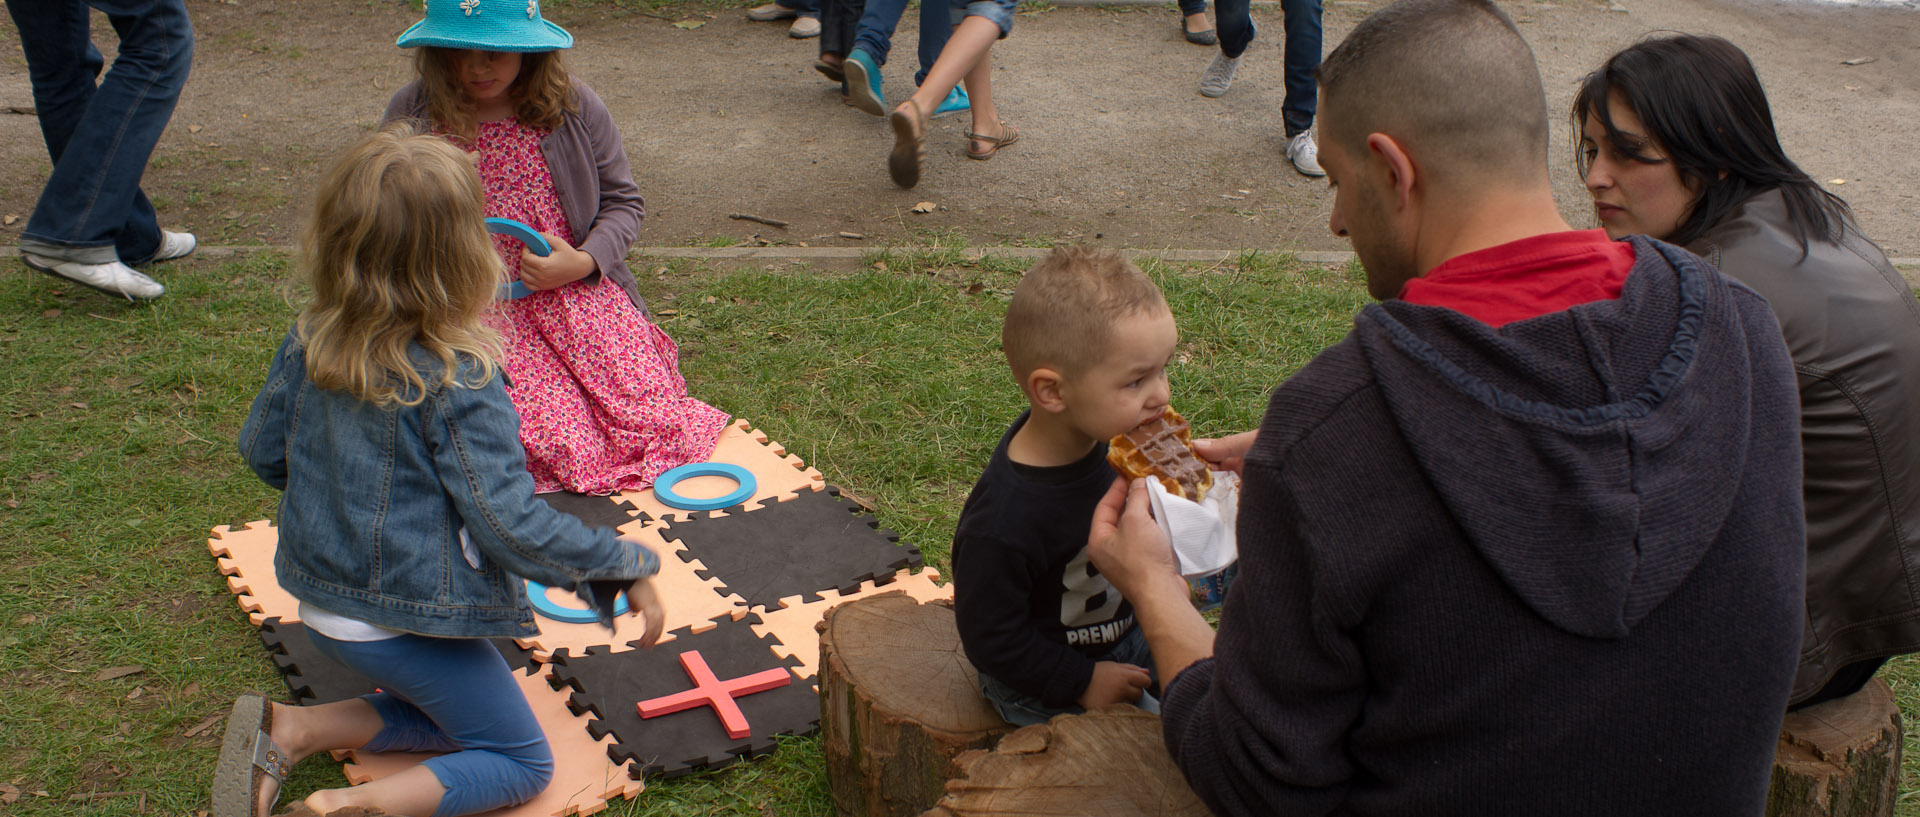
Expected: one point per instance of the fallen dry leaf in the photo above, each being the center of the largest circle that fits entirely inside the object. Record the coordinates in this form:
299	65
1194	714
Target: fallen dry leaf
51	313
136	693
925	207
191	690
8	793
1836	181
111	673
13	503
666	313
9	219
975	288
689	25
194	128
196	729
709	300
1858	61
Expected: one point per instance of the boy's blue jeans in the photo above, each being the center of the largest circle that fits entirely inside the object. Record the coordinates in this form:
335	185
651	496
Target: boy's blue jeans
100	136
453	695
1234	18
1021	709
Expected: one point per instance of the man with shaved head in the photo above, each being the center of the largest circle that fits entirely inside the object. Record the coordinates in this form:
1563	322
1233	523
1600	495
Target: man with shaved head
1527	541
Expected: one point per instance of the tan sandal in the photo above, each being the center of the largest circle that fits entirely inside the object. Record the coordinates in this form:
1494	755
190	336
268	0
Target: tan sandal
1008	135
248	757
909	148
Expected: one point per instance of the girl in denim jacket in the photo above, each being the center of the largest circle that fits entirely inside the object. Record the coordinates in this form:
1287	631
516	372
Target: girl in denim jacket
408	517
602	405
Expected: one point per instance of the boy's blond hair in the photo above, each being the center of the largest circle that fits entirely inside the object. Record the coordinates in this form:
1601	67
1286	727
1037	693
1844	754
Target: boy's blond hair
397	254
1062	314
542	93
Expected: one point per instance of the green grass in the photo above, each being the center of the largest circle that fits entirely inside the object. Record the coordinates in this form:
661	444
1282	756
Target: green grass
116	458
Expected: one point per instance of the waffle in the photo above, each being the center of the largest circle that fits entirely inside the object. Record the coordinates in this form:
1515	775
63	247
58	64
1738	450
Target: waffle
1158	448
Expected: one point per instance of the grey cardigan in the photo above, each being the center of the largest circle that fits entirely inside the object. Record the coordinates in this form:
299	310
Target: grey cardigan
590	173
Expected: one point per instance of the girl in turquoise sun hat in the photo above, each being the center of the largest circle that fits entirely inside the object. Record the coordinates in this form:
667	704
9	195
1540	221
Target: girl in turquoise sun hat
602	404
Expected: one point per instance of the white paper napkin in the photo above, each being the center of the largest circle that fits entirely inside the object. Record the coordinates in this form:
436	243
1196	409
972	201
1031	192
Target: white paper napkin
1201	532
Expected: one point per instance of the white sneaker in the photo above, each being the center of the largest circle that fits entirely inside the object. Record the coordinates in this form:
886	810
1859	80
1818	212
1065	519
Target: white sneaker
1219	75
174	245
770	12
804	27
1305	155
113	278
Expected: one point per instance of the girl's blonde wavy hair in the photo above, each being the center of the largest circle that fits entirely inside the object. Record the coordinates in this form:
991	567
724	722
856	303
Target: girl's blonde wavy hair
542	93
397	254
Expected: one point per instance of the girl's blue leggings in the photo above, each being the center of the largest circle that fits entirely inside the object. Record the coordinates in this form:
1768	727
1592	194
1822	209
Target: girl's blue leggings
453	695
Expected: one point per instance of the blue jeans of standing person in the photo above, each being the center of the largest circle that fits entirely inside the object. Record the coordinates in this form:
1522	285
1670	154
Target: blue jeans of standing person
875	32
1021	709
453	695
1234	18
100	136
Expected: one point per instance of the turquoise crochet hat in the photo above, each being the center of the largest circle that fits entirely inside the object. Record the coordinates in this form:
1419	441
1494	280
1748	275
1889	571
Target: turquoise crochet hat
487	25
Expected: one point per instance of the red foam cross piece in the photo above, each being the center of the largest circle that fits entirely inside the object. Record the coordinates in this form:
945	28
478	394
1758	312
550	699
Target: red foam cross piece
709	690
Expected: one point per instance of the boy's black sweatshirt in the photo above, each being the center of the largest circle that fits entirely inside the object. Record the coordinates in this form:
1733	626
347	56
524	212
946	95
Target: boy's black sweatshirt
1032	611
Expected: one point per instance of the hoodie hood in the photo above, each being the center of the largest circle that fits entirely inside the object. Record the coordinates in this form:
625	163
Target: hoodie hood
1590	455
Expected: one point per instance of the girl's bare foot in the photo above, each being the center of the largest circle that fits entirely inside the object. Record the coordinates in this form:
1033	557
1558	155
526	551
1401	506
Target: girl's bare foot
909	143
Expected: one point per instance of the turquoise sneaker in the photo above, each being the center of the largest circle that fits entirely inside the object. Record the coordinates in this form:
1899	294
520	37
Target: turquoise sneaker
863	82
955	102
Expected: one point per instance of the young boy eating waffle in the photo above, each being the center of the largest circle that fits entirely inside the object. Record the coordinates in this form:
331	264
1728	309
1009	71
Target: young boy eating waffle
1088	337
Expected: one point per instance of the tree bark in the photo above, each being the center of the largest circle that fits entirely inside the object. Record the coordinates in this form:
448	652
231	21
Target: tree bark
1840	758
1110	762
898	702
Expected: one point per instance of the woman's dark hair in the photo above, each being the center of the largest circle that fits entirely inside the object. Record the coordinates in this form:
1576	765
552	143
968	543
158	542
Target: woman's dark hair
1701	102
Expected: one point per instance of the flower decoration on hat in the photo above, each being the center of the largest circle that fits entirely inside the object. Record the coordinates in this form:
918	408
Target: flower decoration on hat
471	7
533	9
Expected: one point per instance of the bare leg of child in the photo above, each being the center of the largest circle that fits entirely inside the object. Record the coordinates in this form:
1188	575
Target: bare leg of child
302	731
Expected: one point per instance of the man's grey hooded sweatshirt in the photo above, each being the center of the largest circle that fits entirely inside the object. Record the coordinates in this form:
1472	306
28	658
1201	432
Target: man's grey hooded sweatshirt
1554	568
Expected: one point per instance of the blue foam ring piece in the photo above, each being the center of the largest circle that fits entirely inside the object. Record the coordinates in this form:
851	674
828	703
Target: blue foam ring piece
536	243
537	594
663	487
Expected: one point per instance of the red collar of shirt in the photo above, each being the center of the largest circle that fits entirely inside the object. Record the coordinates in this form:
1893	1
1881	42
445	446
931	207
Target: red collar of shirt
1526	278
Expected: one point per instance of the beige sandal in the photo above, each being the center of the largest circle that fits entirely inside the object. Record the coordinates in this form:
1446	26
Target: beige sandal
1008	135
248	757
909	148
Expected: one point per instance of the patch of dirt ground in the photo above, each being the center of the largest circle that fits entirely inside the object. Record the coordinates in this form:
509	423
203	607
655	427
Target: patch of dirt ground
1117	147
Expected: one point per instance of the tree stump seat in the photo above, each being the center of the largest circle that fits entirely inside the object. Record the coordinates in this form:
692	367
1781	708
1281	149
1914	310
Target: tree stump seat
1840	758
1110	762
898	702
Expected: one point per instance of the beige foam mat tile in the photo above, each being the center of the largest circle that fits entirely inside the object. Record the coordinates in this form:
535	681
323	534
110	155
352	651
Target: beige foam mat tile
584	777
245	555
793	624
777	474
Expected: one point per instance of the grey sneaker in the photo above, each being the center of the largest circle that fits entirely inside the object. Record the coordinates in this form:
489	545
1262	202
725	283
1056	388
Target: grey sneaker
174	245
770	12
113	278
804	27
1219	75
1305	155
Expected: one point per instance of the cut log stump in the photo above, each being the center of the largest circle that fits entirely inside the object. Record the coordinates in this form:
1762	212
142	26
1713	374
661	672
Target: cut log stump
1106	763
898	701
1840	758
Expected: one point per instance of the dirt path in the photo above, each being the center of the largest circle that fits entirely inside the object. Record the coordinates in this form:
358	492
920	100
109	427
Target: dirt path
1118	147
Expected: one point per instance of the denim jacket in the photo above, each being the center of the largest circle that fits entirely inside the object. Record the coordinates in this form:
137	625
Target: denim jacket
418	518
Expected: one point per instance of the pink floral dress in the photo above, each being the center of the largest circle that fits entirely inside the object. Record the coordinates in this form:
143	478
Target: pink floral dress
602	405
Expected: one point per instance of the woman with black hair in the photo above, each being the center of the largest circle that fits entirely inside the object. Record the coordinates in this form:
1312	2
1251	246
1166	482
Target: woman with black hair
1677	143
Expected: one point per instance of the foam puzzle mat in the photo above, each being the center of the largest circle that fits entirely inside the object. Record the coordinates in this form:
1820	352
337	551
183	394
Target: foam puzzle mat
744	588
